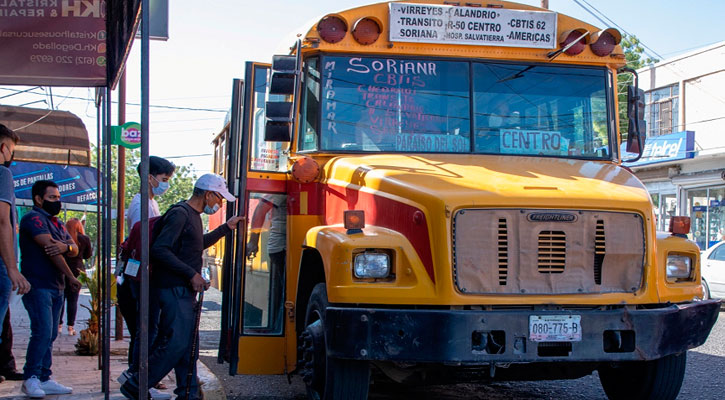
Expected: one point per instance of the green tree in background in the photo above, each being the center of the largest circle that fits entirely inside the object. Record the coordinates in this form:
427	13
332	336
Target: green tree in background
634	54
182	184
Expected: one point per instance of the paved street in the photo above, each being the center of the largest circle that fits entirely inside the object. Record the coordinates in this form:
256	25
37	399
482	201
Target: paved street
704	379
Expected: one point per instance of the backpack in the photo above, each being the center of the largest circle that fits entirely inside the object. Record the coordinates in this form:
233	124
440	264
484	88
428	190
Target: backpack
131	247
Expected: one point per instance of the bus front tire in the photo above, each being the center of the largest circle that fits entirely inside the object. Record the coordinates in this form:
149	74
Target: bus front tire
656	380
328	378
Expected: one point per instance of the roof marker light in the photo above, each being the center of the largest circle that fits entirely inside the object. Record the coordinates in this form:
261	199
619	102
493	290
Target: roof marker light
603	42
332	28
366	31
574	41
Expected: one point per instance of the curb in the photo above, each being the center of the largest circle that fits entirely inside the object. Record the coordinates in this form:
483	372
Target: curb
212	388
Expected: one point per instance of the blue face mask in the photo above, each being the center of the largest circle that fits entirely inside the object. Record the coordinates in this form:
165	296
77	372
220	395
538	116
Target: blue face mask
161	189
211	210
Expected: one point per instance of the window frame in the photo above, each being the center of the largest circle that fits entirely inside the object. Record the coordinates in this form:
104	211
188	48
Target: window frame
606	78
674	104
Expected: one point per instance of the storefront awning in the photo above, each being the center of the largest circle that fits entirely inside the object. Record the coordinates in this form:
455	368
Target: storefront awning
48	136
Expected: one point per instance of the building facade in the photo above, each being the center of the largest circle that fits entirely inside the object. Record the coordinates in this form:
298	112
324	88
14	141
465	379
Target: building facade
683	165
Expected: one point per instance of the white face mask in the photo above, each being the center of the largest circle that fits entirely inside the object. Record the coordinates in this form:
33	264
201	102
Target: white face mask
211	210
161	188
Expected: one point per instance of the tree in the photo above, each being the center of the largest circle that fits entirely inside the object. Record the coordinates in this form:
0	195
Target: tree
182	184
633	54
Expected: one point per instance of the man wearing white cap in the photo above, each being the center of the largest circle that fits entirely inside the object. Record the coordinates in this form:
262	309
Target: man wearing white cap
176	256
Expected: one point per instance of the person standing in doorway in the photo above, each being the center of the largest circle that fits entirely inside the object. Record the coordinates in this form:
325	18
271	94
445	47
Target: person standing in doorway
10	277
44	241
76	265
274	206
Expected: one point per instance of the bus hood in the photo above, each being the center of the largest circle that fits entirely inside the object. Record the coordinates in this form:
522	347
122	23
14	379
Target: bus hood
460	181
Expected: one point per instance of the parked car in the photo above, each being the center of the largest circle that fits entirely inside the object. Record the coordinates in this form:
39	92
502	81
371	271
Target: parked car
713	271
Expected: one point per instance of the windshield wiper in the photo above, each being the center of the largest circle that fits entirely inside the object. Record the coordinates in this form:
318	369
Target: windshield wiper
517	75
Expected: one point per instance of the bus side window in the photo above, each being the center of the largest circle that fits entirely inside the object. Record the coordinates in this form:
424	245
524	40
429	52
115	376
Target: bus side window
310	107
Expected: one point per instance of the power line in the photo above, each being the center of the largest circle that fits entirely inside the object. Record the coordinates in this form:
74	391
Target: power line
134	104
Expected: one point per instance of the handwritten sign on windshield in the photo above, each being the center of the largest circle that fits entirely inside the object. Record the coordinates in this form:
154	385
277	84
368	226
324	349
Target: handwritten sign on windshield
517	141
371	100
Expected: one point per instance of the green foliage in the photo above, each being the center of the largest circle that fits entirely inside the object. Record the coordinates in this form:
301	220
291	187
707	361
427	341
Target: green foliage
182	184
633	53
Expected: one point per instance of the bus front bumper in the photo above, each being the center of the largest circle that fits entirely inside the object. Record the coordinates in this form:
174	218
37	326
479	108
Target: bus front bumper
502	336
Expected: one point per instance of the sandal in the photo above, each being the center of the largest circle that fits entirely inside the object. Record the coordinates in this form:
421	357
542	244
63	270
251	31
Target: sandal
71	331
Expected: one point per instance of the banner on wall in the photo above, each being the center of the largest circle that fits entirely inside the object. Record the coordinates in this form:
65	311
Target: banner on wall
77	185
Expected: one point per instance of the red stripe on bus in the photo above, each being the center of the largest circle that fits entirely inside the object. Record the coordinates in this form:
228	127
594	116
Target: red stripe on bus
385	212
330	201
266	185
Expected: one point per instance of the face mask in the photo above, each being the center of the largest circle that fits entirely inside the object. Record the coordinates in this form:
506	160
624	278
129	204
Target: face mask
211	210
8	161
161	189
52	207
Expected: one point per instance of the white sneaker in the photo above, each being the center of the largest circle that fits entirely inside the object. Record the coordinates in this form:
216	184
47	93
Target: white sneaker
31	387
159	395
52	387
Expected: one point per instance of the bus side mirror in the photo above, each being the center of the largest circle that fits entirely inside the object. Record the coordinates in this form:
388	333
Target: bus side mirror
284	81
637	127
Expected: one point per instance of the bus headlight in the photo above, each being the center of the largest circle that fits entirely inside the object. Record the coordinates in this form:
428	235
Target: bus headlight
678	266
372	265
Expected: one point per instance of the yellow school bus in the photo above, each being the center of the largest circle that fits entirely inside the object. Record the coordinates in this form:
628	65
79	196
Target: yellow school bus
434	192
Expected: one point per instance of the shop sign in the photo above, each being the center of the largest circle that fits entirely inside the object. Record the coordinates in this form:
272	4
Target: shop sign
60	43
658	149
127	135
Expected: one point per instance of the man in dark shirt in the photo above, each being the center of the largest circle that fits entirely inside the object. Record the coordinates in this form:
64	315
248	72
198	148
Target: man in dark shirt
10	276
176	255
43	241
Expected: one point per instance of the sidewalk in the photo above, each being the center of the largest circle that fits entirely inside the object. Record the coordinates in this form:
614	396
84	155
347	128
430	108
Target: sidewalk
81	372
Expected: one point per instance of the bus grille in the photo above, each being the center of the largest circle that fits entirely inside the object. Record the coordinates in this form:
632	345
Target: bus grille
528	251
503	251
552	252
600	249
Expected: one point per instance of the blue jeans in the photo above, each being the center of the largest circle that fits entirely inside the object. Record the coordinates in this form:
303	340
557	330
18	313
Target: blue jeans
153	325
43	307
172	348
5	286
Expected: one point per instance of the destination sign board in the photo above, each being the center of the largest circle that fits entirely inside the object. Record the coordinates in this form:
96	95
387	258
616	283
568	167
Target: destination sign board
443	24
517	141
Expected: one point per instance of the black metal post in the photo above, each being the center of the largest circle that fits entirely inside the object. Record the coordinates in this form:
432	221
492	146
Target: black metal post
144	303
108	201
100	118
102	251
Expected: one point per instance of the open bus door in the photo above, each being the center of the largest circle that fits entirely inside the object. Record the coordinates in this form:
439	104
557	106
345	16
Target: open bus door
254	288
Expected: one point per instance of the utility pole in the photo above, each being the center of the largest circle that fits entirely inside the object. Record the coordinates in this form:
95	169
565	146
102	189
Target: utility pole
545	4
121	192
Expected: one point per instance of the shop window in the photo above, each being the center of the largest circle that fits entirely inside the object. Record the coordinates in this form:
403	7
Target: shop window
662	110
707	211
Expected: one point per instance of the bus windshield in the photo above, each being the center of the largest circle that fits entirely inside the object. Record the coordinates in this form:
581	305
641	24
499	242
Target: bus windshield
411	105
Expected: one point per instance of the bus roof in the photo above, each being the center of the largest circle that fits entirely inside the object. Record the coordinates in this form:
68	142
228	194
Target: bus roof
439	28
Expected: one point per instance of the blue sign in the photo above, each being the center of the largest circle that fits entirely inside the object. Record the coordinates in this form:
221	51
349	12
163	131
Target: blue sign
672	147
77	185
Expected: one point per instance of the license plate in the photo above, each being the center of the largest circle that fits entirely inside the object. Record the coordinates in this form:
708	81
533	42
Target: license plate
555	328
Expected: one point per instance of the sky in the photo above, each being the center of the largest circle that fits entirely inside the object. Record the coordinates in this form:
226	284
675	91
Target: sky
209	41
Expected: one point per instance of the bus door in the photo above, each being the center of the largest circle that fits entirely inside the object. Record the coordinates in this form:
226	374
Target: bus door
260	259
